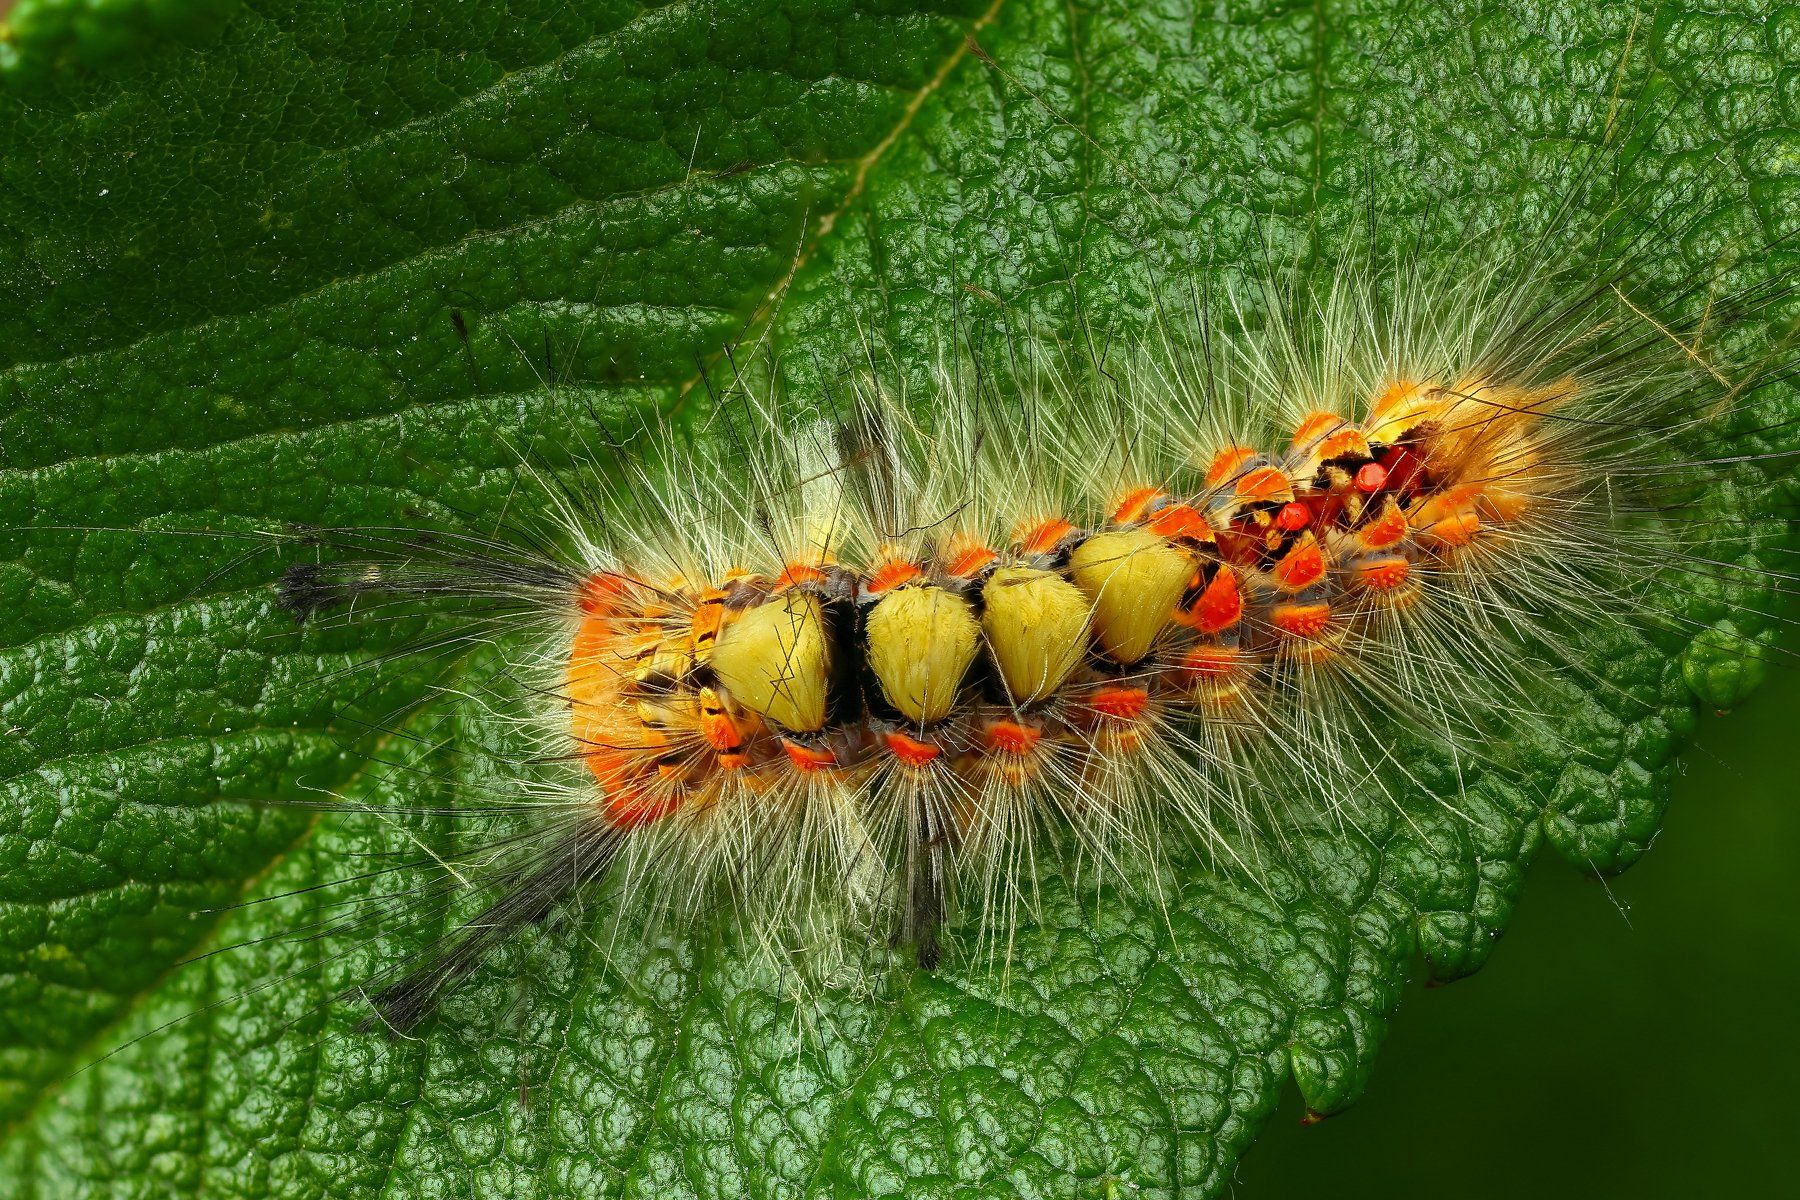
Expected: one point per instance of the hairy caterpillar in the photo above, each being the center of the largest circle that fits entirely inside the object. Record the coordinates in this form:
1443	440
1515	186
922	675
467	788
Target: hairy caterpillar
1296	733
377	822
852	663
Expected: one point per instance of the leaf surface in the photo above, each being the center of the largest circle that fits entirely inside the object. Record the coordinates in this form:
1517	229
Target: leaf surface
319	262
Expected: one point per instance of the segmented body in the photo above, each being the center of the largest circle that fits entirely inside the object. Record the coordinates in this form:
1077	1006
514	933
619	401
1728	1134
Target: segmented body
971	665
912	636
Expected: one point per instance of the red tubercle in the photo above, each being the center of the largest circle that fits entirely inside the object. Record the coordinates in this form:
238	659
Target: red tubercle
1293	517
967	557
1265	485
1041	537
1371	478
1384	574
911	751
1302	566
1220	604
1211	662
1134	504
1388	529
808	759
1314	426
1349	441
1118	702
1011	737
1301	620
796	574
1180	522
890	575
1226	464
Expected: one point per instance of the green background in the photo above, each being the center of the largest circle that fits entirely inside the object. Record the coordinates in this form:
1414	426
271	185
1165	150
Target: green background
1634	1037
314	260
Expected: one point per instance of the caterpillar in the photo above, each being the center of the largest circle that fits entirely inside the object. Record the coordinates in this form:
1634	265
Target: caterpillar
849	667
858	660
613	862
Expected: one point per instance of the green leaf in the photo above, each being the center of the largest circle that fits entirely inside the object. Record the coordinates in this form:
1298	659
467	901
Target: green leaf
316	263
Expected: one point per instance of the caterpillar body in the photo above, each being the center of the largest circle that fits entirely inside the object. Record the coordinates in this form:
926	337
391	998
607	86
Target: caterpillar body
856	666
